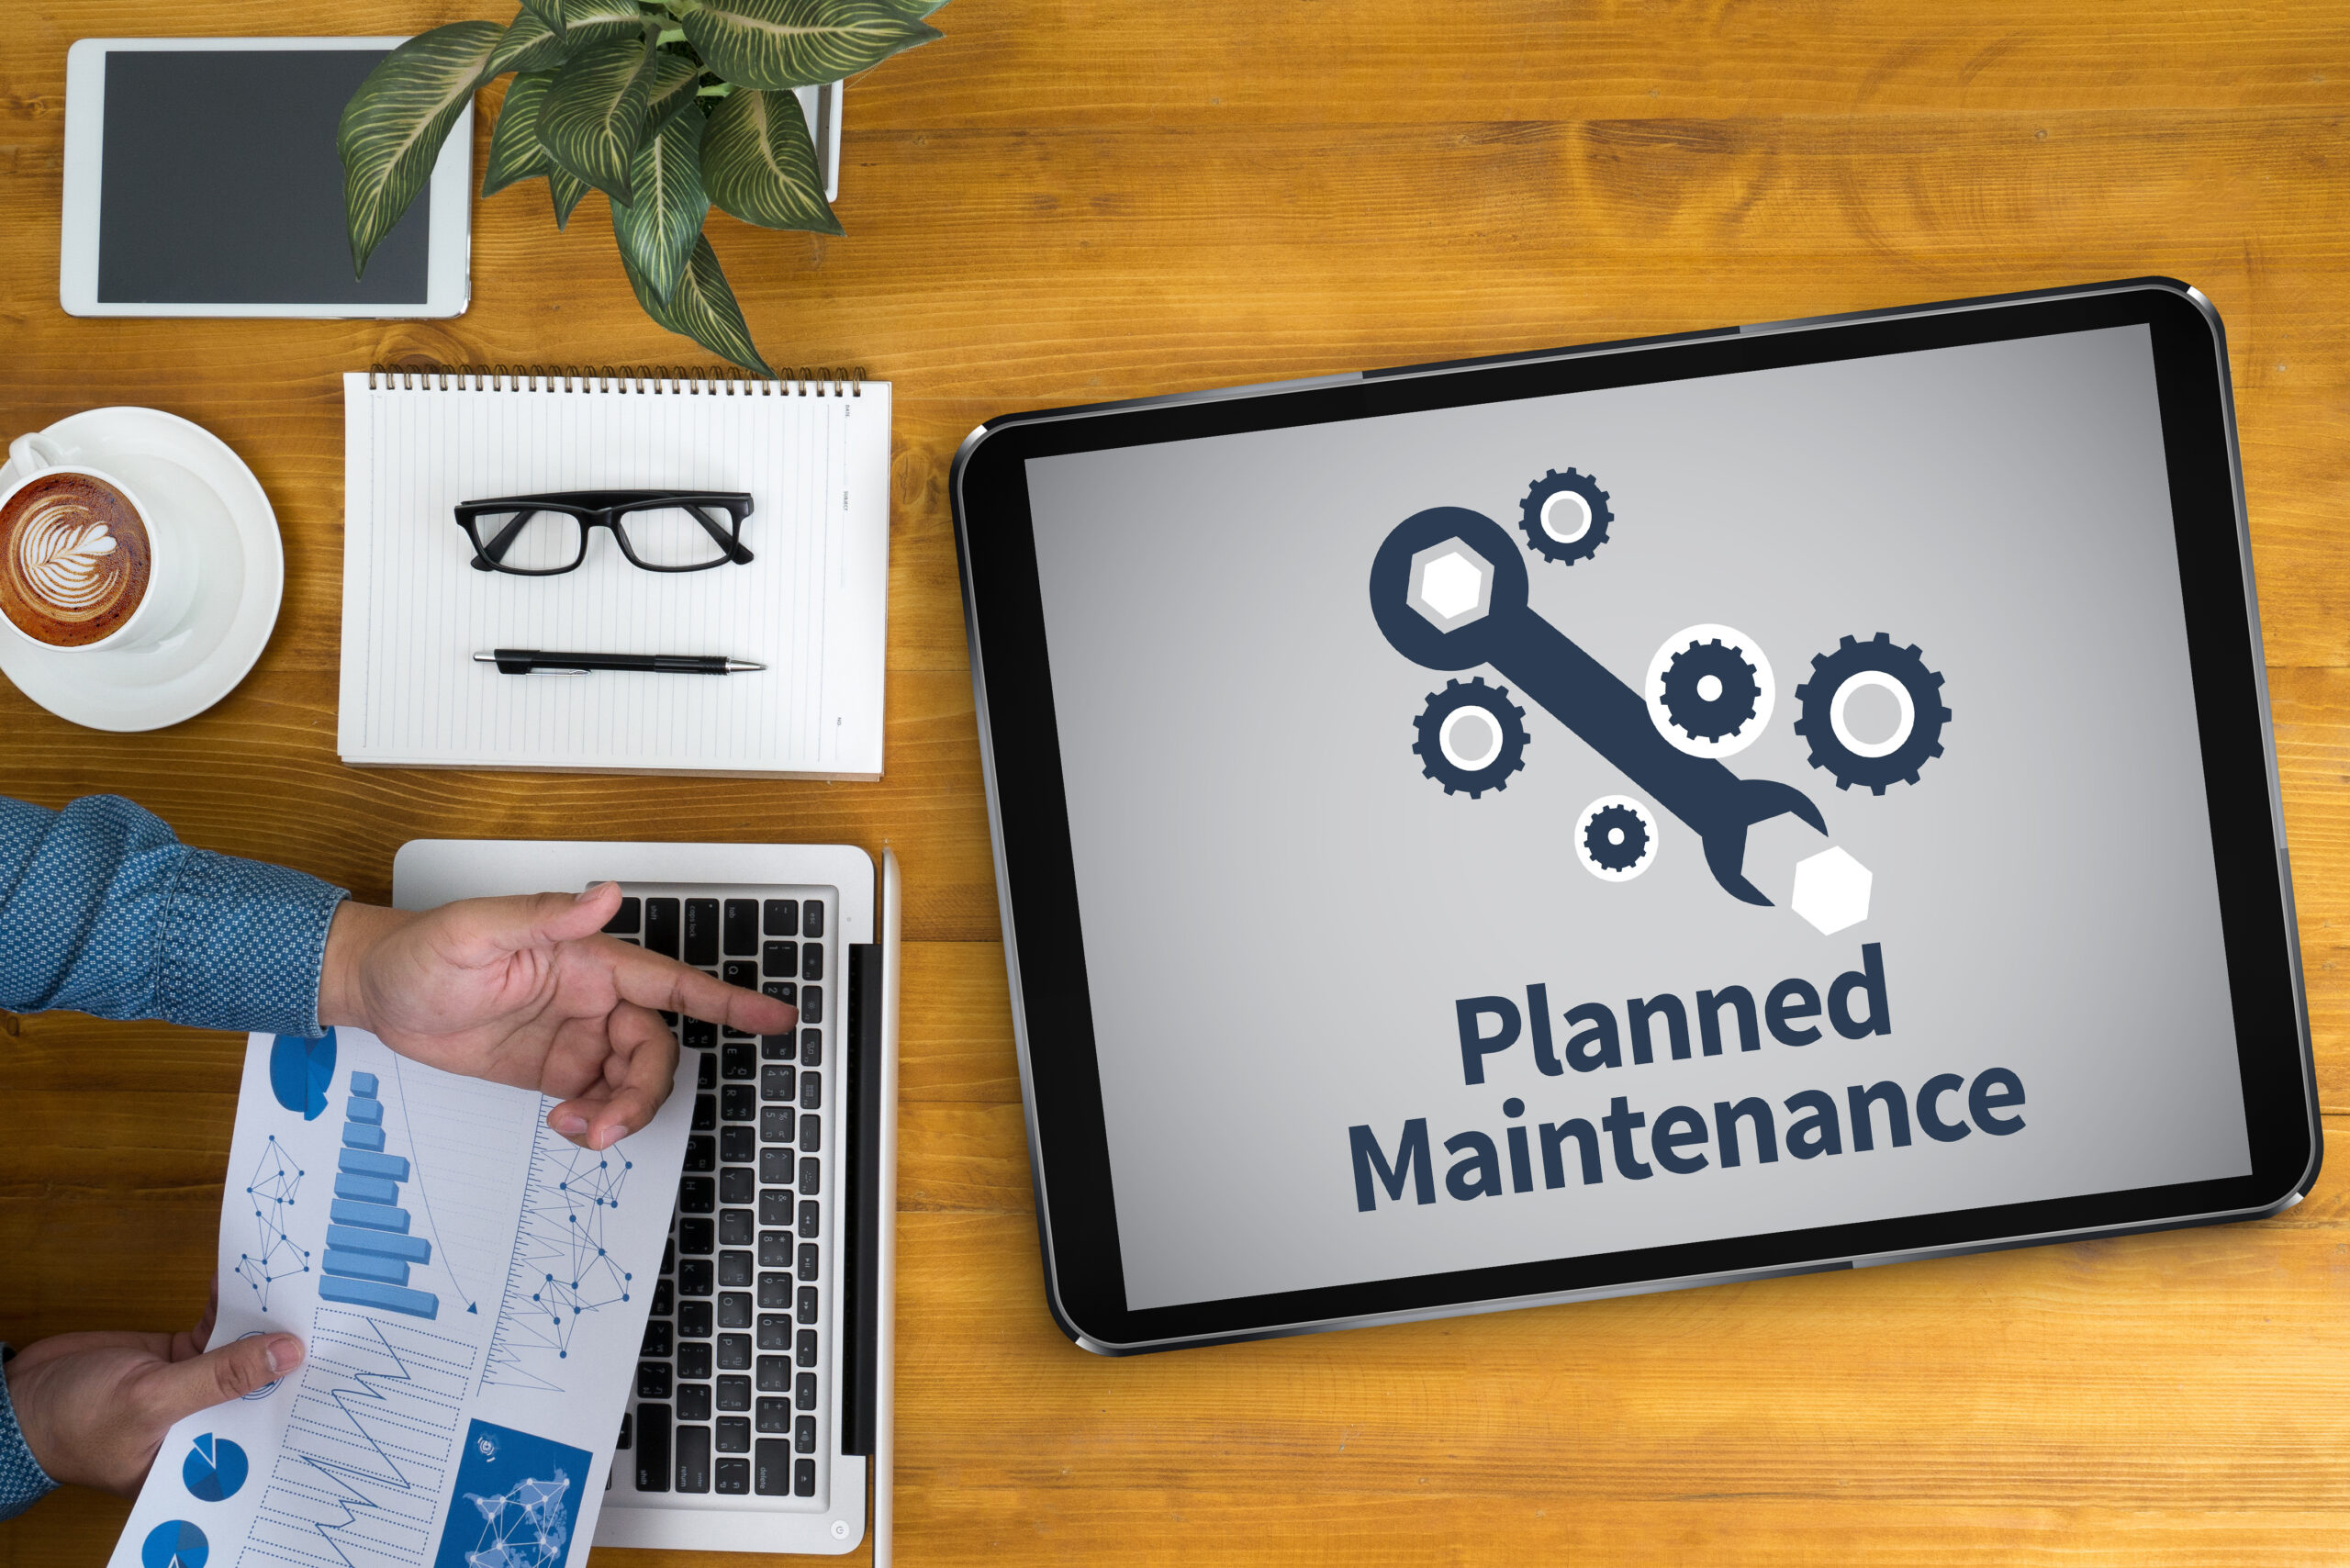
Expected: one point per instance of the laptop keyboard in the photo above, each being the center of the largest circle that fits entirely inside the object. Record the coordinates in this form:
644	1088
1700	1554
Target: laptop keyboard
732	1396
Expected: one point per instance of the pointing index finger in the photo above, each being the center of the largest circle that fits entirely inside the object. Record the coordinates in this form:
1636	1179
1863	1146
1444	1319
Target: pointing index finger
650	980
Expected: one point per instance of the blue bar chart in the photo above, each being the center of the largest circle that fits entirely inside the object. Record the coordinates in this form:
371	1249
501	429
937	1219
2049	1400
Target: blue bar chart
369	1250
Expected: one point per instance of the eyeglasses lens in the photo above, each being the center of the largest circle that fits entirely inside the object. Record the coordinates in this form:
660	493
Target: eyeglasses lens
535	542
673	537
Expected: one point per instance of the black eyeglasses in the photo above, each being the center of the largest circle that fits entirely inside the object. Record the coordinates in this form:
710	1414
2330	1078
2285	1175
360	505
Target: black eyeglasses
658	531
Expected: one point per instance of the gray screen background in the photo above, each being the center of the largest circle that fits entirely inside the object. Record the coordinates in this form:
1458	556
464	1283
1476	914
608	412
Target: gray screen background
220	184
1280	910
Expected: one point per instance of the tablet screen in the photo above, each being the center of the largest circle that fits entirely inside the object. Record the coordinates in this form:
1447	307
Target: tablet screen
220	184
1397	970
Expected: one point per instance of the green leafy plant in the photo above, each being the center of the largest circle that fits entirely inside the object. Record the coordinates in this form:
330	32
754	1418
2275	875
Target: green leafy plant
667	106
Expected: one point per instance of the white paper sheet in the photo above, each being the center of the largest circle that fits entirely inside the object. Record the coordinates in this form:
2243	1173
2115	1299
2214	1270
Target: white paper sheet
472	1290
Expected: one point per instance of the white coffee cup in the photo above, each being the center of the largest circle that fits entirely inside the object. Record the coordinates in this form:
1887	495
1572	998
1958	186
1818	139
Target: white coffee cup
171	576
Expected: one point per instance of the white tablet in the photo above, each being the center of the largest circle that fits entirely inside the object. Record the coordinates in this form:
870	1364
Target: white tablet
201	179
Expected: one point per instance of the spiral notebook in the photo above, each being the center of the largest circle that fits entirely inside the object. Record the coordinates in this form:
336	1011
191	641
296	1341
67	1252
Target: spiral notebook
813	452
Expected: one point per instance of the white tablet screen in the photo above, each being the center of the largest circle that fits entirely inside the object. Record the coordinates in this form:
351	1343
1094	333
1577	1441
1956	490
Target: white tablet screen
1352	1026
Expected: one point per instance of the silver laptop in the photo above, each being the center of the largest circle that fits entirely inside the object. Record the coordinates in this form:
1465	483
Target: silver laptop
759	1419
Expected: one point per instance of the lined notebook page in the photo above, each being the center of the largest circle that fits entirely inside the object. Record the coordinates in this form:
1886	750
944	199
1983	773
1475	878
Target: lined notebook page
811	606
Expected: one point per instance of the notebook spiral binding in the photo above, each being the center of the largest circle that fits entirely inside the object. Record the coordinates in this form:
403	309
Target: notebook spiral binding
708	380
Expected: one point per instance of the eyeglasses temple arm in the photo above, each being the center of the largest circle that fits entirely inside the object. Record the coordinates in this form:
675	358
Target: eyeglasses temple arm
737	550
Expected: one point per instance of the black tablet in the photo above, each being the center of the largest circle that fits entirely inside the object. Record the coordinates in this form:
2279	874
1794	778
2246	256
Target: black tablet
1769	800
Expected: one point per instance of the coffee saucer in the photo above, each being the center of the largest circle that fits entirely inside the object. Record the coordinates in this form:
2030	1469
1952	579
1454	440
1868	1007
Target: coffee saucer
187	473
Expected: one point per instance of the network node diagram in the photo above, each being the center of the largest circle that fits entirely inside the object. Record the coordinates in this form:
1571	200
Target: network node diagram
274	1186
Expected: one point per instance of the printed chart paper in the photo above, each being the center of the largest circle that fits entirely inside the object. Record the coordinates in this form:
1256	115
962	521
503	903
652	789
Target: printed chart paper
472	1290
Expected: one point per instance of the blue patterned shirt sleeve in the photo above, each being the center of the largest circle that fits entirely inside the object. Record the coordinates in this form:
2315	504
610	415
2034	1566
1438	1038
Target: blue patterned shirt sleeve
23	1482
103	911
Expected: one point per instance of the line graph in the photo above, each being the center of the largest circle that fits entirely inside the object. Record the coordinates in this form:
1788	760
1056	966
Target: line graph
369	1445
560	1270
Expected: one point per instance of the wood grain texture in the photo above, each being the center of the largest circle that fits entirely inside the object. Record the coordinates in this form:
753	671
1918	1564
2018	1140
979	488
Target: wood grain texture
1063	203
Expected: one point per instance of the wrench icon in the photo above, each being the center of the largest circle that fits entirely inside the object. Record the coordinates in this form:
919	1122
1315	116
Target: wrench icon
1448	590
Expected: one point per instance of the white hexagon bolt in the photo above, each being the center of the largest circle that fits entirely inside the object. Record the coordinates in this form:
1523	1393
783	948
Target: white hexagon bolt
1451	585
1831	890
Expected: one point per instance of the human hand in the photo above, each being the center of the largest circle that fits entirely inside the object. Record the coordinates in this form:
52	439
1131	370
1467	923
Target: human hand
527	991
94	1408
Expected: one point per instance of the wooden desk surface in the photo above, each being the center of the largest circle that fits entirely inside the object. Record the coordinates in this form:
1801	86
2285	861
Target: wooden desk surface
1065	202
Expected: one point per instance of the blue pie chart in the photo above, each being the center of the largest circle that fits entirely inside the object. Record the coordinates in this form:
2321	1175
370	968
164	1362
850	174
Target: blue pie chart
215	1469
174	1544
300	1073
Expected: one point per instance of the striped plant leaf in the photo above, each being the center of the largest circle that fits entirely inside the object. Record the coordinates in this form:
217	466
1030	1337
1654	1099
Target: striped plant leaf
659	225
550	12
594	114
528	45
760	166
566	189
514	149
796	43
914	10
393	127
703	308
600	21
677	79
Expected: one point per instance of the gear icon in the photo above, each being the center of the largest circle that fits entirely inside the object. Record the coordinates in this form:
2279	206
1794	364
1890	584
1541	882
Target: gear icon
1709	712
1566	516
1472	738
1856	667
1615	838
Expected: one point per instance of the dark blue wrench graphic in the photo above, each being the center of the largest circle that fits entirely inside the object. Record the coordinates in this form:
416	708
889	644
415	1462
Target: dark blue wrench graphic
1448	590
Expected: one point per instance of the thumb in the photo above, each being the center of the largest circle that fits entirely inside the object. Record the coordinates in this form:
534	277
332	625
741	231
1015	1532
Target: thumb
542	919
181	1388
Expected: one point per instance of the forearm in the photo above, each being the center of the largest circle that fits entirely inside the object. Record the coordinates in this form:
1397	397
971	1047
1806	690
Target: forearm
103	911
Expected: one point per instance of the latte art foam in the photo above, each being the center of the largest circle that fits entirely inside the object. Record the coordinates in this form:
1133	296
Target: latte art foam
74	559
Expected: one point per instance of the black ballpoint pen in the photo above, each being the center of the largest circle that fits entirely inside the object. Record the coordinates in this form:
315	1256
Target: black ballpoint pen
530	661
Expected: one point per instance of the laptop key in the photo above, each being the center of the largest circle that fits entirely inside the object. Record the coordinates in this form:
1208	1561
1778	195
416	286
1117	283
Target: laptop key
775	1332
803	1477
658	1340
735	1310
702	1152
807	1311
804	1352
734	1269
778	1081
803	1391
653	1380
734	1392
696	1238
696	1195
775	1124
701	933
693	1322
705	1072
783	990
736	1227
810	1221
811	1091
774	1293
809	1261
736	1145
811	963
770	1468
705	1112
775	1249
775	1206
781	959
811	1177
811	1135
734	1434
775	1167
803	1434
661	931
699	1033
740	973
693	1401
733	1476
812	1047
738	1185
774	1415
776	1048
775	1374
693	1277
693	1454
811	1003
652	1446
693	1358
811	921
734	1355
783	917
626	920
742	925
739	1061
663	1298
738	1103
